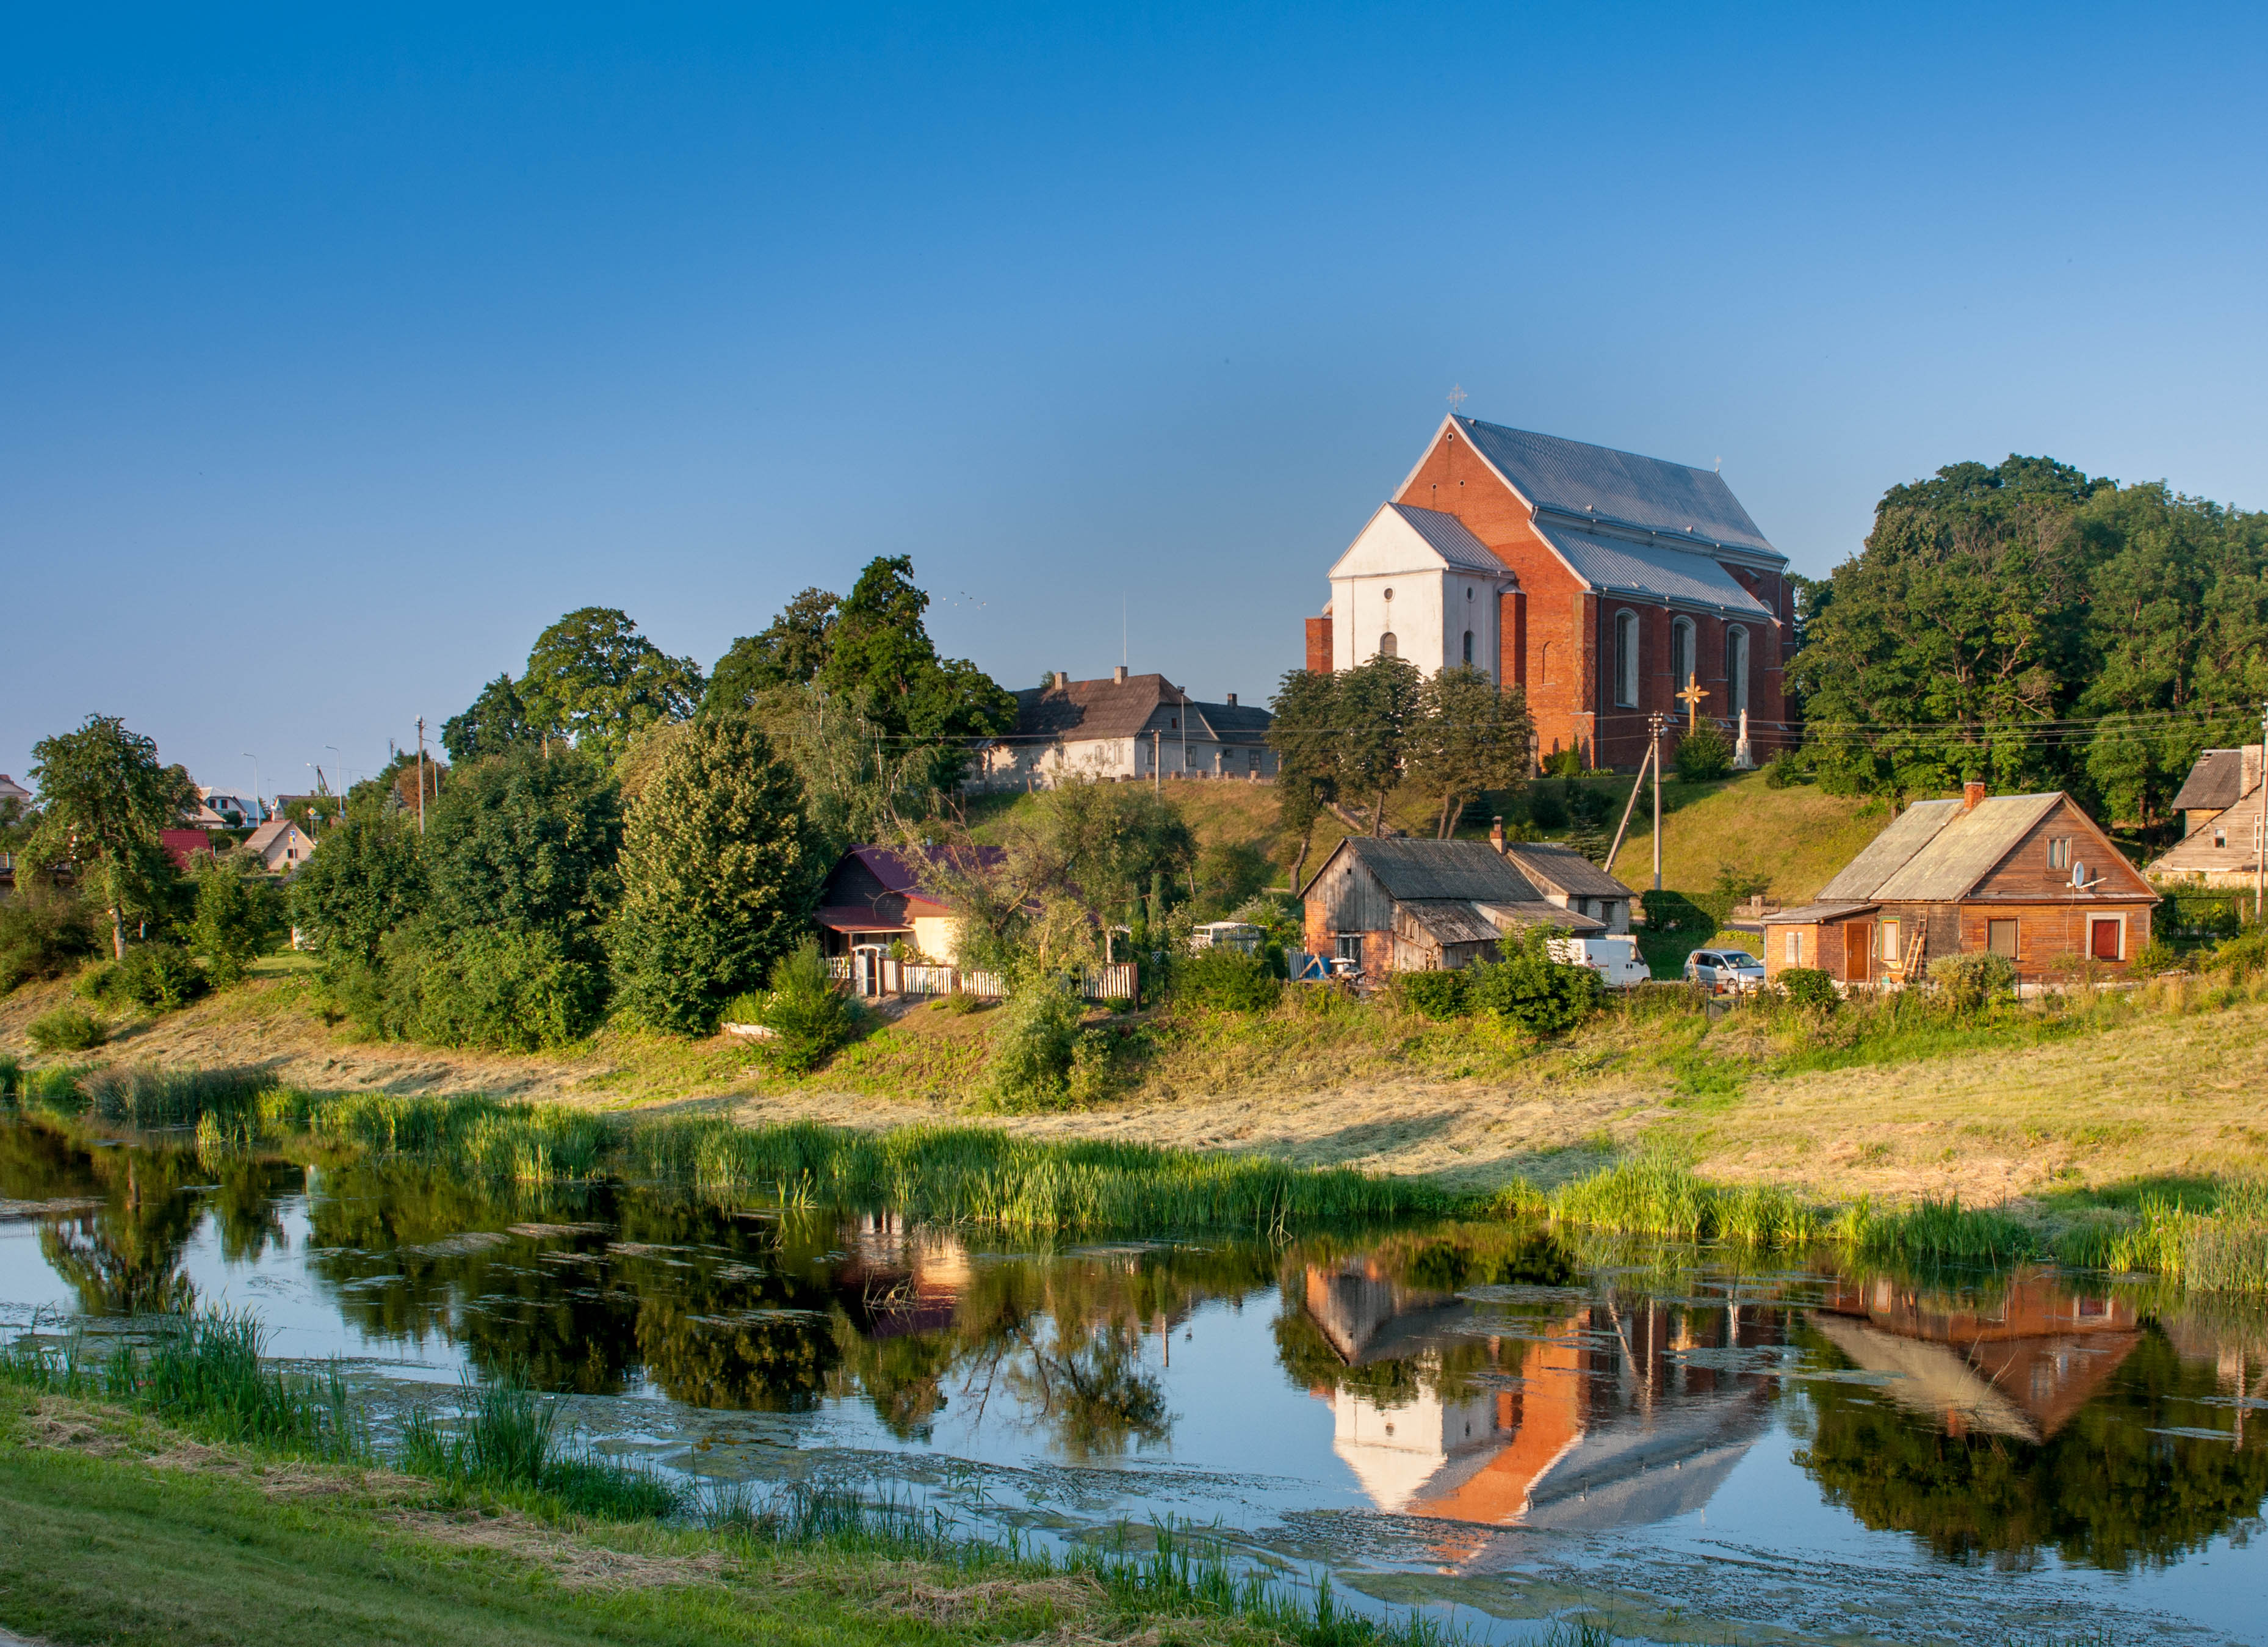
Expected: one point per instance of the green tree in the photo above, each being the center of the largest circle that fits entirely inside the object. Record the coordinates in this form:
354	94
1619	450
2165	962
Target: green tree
717	873
496	723
593	679
882	665
789	652
527	843
1378	704
104	797
1467	737
239	915
1303	730
368	879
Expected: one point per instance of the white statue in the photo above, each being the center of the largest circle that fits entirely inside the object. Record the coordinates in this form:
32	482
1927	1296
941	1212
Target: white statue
1743	758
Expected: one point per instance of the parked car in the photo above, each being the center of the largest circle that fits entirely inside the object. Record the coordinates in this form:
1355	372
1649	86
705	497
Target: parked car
1721	969
1614	959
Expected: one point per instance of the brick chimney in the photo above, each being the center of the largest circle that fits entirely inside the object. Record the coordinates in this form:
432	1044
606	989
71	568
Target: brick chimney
1232	700
1971	793
1496	833
1119	674
1063	679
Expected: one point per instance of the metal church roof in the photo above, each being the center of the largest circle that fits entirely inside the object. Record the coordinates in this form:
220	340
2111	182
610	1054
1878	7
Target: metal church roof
1451	538
1646	493
1624	565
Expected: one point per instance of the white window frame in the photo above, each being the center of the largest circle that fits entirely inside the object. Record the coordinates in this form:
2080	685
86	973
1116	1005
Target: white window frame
1793	952
2092	916
1626	664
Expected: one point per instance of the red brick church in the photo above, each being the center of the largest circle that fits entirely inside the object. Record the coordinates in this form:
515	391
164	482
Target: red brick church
1599	581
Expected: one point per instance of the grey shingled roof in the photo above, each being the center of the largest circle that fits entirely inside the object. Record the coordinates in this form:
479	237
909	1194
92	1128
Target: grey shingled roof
1963	853
1508	916
1888	852
1414	870
2215	784
1085	709
1810	914
1565	870
1623	566
1644	492
1452	919
1451	537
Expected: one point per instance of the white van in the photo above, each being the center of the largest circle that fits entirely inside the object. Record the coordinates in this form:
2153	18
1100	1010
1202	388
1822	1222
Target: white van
1614	959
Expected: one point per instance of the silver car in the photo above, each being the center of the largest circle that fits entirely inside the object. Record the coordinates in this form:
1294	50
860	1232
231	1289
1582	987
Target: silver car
1721	969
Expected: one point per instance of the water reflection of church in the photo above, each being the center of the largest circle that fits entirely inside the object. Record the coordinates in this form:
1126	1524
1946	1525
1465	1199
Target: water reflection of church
1583	1411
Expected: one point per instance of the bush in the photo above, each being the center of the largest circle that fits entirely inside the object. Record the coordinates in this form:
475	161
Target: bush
515	992
1542	995
1704	753
1032	1061
1563	764
2241	957
67	1029
2157	956
44	932
1809	986
1784	769
1228	980
1546	810
808	1017
237	916
1970	983
158	976
1434	994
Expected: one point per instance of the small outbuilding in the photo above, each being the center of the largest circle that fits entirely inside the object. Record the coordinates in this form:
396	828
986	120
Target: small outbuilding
1566	877
2221	808
1423	905
2031	877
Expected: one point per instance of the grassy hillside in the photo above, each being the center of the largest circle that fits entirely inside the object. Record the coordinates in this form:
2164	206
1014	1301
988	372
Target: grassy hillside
1797	837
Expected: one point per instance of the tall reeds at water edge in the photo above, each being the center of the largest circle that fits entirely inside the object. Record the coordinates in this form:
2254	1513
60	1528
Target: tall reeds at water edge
2222	1249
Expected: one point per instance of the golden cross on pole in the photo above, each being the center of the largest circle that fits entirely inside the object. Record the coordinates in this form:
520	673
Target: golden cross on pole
1692	697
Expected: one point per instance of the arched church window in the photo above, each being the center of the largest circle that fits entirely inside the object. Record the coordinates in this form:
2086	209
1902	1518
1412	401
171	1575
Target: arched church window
1626	660
1469	648
1389	647
1681	655
1736	669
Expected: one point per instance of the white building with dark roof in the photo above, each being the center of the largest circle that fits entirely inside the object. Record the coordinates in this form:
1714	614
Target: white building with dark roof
1127	726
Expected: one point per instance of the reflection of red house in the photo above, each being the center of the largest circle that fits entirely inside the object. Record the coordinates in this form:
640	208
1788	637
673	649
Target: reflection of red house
2019	1365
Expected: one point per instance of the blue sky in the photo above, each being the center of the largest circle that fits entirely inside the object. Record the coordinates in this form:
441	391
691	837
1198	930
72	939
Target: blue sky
338	355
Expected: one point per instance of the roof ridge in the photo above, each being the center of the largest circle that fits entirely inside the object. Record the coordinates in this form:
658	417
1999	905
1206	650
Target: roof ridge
1596	446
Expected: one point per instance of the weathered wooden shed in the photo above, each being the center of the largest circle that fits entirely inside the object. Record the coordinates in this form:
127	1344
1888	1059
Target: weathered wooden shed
2031	877
1423	905
1566	877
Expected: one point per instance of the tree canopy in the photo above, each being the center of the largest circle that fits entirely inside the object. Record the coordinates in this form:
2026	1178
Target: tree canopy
104	797
2029	624
788	652
595	680
496	723
882	665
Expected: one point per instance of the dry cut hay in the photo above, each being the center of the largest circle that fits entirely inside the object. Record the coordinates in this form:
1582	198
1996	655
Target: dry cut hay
575	1563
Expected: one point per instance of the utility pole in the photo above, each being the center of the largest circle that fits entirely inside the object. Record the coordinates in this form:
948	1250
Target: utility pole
421	774
1655	722
1157	772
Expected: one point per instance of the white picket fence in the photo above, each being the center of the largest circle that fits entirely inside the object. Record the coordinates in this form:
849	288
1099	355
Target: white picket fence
872	973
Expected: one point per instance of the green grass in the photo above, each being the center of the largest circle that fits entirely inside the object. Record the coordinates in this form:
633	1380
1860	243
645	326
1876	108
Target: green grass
2220	1246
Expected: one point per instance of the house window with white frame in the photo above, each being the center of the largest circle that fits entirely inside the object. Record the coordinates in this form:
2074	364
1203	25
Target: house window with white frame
1794	952
1626	660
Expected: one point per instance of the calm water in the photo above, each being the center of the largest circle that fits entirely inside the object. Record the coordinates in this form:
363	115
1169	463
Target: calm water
1473	1416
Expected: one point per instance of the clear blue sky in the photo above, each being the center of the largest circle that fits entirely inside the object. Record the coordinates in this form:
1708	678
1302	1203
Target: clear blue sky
339	354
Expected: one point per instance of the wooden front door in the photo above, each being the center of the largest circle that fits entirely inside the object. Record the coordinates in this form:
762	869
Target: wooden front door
2102	938
1857	940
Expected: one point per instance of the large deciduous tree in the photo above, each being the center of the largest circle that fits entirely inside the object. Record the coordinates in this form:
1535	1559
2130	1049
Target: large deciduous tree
104	796
789	652
718	872
1467	737
1303	730
882	665
1377	704
495	723
593	679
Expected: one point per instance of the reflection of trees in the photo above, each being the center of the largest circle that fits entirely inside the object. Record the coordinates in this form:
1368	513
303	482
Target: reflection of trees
243	1203
2104	1490
125	1259
902	1376
1088	1387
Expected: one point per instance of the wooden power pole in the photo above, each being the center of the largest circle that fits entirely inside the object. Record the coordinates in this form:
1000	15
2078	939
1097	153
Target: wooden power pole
421	774
1657	721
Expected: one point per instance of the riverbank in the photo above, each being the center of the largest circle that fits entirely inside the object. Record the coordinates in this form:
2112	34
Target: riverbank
2116	1098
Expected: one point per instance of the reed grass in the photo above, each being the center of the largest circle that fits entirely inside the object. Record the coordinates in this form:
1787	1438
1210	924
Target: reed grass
2220	1248
507	1438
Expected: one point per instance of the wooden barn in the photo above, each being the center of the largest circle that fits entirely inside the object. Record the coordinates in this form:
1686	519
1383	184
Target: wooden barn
2031	877
1423	905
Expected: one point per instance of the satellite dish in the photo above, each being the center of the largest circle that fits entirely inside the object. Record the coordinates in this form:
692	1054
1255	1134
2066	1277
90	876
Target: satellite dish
2078	876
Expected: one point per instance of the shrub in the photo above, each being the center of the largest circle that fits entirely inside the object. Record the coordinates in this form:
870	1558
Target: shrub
67	1029
1032	1061
808	1017
2157	956
1542	995
2242	955
1228	980
1545	809
1434	994
158	976
1970	983
43	934
1784	769
747	1006
1704	753
237	916
516	992
1809	986
1563	764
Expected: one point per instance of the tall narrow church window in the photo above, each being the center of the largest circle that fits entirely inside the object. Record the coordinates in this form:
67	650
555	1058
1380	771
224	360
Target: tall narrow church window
1626	660
1388	647
1469	648
1736	669
1681	654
